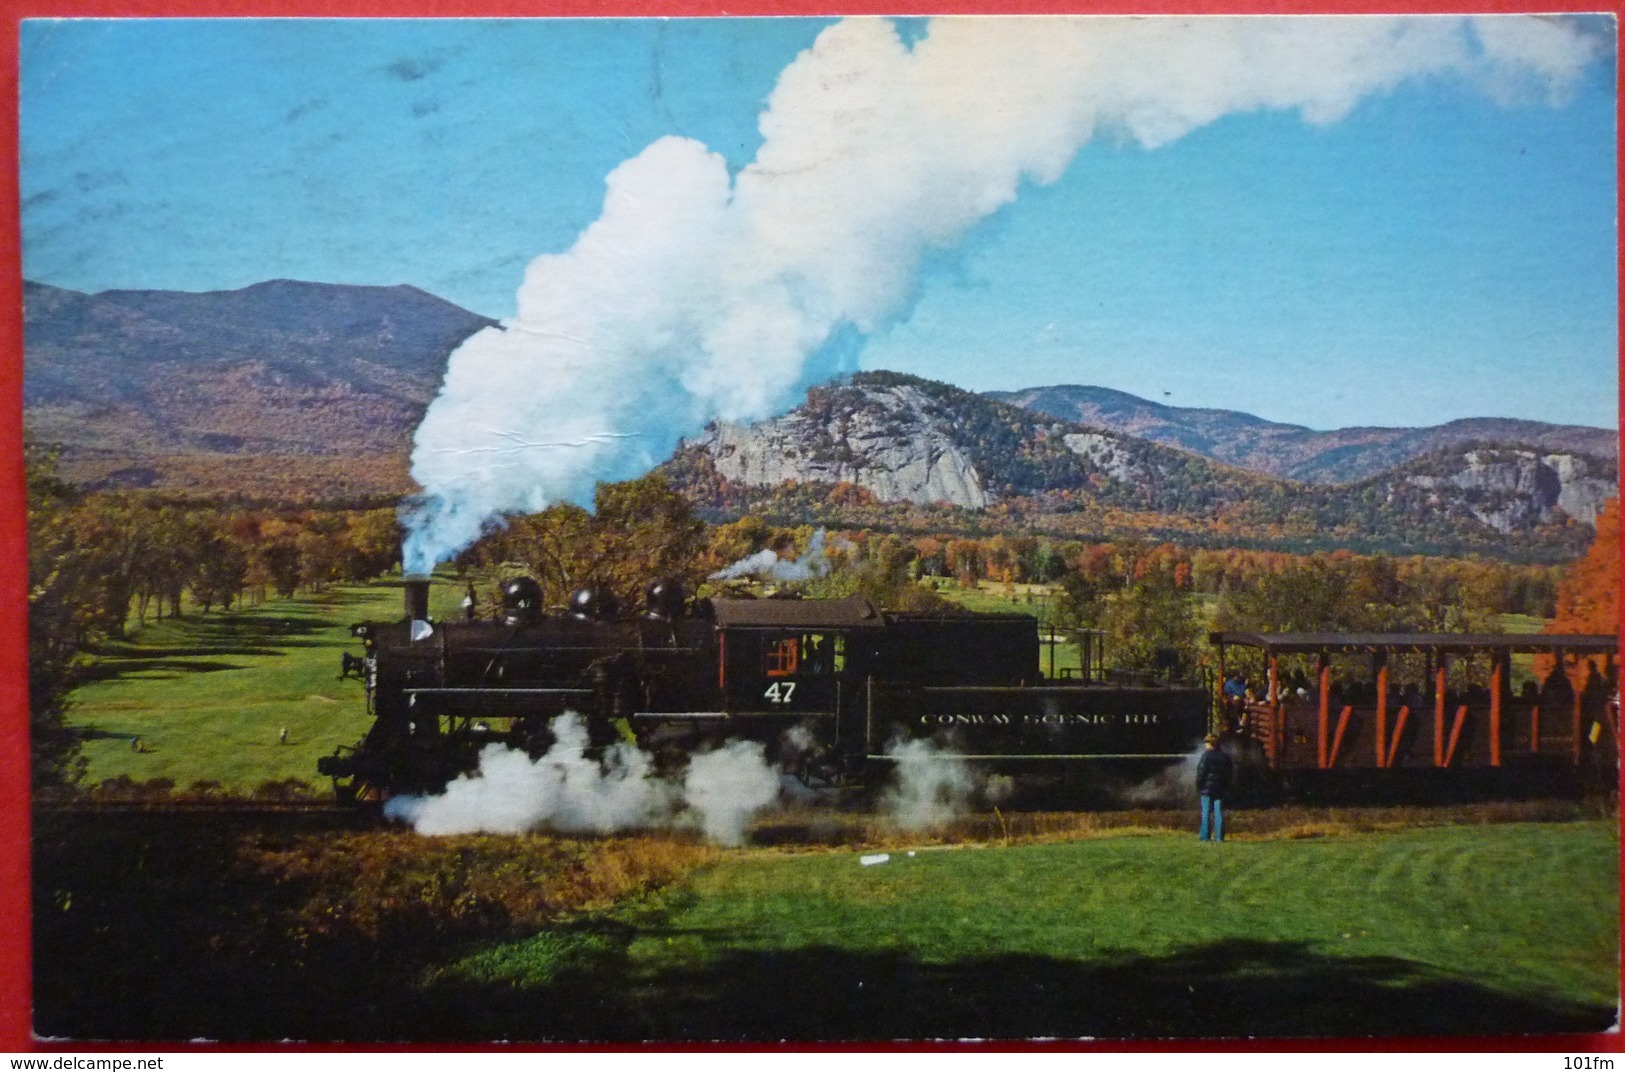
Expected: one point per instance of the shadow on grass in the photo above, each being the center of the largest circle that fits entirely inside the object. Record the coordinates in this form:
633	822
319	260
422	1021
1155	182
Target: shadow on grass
1227	988
263	626
200	644
146	929
158	669
92	733
136	652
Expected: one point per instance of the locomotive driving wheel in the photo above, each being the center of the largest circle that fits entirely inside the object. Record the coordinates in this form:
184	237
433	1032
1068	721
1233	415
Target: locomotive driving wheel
356	790
821	771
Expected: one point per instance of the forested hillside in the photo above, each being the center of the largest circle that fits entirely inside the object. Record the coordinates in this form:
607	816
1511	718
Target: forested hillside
154	388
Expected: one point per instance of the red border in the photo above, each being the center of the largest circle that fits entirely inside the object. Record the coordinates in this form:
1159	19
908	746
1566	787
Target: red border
15	964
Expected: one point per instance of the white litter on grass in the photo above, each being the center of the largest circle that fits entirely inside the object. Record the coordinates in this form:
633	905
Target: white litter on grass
877	858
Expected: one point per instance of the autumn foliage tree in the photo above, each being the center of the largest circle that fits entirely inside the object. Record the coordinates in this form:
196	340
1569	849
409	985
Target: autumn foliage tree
639	531
1588	596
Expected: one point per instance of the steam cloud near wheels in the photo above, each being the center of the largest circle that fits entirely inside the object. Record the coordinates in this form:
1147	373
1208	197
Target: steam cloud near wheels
699	295
718	794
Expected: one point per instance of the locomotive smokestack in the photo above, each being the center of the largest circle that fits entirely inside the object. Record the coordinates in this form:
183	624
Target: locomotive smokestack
417	599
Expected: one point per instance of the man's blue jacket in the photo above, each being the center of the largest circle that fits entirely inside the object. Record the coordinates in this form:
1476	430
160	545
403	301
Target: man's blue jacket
1213	773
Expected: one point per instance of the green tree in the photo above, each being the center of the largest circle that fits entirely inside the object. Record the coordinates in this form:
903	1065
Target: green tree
320	555
1079	604
1152	625
222	566
64	604
370	546
643	530
882	574
275	559
1307	597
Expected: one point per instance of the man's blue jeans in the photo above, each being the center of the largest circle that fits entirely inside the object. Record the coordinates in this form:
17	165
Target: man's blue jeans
1212	818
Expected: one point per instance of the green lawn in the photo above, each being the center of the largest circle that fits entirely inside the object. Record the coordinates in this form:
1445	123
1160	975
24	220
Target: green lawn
208	694
1485	929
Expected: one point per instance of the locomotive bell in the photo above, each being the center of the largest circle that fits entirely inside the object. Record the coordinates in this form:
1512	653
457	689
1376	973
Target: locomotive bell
664	599
592	602
521	601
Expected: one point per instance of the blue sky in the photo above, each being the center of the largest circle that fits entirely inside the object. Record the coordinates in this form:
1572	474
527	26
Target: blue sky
1441	251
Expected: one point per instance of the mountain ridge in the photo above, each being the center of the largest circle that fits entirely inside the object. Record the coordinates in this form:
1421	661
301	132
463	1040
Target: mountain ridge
1341	455
879	443
313	390
147	386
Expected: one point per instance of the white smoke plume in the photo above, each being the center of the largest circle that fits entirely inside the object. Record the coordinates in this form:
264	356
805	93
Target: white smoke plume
566	791
929	787
798	746
698	296
1173	786
799	739
767	565
726	787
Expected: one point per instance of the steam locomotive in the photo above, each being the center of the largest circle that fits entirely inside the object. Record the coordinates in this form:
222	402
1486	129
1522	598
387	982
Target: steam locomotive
829	686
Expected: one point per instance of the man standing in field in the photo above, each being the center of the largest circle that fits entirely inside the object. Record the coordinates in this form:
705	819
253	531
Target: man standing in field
1213	773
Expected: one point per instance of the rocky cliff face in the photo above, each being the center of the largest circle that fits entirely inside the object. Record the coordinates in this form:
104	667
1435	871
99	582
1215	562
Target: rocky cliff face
1511	489
894	441
1107	454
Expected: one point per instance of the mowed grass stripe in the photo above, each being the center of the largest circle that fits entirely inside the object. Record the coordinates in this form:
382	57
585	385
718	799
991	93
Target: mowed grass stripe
1523	908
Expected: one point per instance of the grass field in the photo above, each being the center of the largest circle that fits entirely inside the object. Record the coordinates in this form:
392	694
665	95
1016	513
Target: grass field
1482	929
209	694
162	926
151	926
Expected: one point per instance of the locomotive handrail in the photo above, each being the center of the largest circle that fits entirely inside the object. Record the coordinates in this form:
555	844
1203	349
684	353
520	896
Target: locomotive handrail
682	714
510	650
1030	690
1001	756
552	692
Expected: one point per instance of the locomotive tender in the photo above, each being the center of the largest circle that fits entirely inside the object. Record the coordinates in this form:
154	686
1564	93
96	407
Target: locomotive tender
828	685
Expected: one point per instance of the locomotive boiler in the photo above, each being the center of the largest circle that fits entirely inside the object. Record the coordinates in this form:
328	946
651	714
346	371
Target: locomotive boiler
829	686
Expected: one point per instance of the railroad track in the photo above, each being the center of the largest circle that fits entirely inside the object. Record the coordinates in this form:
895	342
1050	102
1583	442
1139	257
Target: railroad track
200	807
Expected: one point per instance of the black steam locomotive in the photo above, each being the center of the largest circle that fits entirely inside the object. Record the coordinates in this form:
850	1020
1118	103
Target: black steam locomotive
827	685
